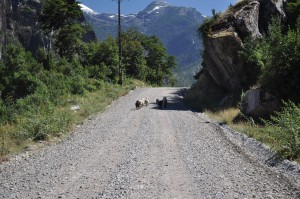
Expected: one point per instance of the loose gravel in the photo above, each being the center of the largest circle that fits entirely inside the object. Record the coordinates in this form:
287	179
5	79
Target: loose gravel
150	153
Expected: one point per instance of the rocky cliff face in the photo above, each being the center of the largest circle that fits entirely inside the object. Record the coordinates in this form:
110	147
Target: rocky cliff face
19	20
24	23
224	40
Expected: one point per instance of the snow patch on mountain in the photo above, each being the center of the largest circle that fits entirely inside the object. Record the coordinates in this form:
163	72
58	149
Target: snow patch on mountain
88	10
156	8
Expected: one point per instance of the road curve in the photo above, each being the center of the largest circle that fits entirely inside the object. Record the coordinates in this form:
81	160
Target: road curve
139	154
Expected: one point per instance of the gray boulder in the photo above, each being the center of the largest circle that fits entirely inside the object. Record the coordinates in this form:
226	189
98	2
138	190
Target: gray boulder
258	103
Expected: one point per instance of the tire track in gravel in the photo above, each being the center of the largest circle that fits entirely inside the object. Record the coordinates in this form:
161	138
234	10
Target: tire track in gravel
97	168
223	171
143	154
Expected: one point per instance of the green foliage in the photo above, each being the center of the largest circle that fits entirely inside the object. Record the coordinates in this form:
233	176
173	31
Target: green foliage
251	68
292	8
285	127
101	59
276	58
58	13
53	86
134	59
280	62
3	145
205	26
159	63
60	20
44	122
68	40
17	72
8	110
208	22
78	85
38	117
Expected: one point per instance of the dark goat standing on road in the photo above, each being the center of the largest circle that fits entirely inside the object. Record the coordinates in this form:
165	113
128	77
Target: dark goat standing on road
138	104
162	103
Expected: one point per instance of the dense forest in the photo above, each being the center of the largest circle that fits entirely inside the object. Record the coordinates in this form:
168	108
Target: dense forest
36	86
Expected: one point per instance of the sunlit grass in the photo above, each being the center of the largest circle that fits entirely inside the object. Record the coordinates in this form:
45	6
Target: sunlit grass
224	116
247	126
62	118
9	144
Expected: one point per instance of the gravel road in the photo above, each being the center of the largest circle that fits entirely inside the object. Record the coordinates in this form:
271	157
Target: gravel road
146	153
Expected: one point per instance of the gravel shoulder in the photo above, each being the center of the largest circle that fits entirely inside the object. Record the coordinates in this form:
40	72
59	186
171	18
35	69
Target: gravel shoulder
150	153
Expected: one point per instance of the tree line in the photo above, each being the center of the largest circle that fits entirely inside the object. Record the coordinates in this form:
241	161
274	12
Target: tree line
68	65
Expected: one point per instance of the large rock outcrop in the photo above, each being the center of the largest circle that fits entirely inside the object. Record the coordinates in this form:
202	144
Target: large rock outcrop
247	19
18	20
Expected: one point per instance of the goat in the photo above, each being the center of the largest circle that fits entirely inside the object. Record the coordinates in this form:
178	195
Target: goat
157	101
160	104
138	104
165	102
147	101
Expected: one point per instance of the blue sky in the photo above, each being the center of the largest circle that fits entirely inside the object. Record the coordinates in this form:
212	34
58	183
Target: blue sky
134	6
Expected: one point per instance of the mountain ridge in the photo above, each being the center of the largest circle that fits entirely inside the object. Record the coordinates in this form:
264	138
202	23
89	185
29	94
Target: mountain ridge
176	26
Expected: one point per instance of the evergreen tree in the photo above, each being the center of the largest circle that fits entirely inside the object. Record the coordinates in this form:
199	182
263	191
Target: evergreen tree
17	72
60	21
133	55
158	61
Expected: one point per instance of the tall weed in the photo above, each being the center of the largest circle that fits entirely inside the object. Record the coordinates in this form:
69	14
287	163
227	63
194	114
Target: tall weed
4	149
45	123
39	118
285	127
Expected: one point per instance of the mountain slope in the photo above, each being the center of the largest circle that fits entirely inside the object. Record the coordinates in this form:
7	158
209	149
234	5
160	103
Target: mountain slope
175	26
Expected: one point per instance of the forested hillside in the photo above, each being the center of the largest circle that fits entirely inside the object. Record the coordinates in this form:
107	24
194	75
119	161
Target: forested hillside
65	66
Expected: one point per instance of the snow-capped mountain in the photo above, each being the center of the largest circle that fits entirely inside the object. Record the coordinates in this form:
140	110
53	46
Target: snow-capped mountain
175	26
87	10
156	6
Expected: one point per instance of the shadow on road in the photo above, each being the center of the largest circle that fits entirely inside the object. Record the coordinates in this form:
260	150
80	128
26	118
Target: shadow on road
174	102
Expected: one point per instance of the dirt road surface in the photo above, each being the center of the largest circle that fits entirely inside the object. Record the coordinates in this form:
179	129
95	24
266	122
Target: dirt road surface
144	154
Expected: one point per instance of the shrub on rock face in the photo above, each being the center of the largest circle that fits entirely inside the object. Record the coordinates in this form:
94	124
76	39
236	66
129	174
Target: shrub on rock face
279	58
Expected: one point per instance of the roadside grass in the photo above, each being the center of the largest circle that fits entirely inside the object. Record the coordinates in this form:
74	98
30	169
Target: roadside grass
267	134
52	124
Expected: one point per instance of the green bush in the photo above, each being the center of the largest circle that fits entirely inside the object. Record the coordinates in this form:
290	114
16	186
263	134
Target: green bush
285	127
292	8
77	85
35	102
4	141
273	62
208	22
44	122
55	84
8	110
